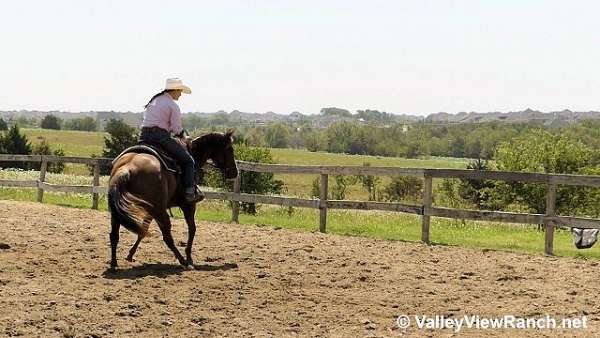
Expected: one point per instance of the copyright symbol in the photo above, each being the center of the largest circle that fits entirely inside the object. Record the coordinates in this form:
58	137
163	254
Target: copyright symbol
403	321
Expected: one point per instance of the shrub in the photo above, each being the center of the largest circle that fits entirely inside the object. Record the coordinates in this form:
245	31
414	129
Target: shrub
403	187
43	148
338	191
316	188
251	182
476	191
370	183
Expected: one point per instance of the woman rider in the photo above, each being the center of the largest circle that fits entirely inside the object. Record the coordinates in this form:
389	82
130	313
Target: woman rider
162	117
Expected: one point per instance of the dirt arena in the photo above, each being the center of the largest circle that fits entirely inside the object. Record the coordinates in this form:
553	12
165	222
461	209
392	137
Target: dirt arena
255	281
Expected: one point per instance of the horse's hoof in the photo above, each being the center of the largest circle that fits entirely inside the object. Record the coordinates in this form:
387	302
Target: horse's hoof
189	267
129	259
112	269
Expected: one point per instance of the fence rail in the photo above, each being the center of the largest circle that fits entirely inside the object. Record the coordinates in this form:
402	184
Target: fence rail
426	210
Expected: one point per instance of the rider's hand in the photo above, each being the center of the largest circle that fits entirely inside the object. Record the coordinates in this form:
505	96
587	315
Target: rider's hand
187	141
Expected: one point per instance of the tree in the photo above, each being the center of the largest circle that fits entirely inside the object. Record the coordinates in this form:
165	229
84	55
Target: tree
50	122
256	137
543	152
3	125
277	135
13	142
340	136
457	146
373	115
85	124
22	121
121	136
219	119
333	111
315	141
194	121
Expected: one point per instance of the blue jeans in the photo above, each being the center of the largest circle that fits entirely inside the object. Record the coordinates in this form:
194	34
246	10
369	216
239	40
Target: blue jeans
179	153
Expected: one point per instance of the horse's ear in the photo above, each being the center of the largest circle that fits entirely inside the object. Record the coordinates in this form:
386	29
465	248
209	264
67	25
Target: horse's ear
193	142
230	132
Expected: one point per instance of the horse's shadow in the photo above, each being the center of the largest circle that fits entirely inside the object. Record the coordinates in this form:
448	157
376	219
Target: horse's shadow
162	270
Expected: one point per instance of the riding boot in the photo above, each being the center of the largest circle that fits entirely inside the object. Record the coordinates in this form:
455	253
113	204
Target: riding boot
193	194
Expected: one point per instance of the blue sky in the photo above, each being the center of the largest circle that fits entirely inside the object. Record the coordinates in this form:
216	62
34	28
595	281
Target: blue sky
414	57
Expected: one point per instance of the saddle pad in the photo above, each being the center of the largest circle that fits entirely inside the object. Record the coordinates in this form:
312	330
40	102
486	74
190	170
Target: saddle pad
167	162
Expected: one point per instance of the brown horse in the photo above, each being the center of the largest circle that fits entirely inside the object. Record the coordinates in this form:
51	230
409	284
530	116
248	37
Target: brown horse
141	190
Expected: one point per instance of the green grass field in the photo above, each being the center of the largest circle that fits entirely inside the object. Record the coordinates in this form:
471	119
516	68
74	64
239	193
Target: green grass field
301	185
74	143
78	143
386	225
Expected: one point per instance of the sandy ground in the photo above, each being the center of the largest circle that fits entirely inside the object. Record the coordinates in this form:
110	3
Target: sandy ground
263	282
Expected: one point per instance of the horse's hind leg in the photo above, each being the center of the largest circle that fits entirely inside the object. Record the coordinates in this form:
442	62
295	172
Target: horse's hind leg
164	223
114	240
137	242
133	249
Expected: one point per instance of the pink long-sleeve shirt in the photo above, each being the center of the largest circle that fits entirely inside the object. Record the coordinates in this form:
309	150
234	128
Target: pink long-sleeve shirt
164	113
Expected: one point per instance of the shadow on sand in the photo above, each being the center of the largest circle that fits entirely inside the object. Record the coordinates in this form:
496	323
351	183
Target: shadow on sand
162	270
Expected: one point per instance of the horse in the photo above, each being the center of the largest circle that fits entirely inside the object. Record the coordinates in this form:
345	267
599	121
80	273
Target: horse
140	189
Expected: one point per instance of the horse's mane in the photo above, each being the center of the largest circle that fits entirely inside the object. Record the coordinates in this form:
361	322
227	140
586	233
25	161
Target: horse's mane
211	140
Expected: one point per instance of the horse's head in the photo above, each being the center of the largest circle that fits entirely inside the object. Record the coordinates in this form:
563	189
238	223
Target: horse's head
217	147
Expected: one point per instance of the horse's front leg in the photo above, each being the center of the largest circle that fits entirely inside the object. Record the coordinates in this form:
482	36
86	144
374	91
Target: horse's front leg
189	211
114	241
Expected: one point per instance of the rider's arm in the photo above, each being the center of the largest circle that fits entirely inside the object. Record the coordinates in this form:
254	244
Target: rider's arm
176	125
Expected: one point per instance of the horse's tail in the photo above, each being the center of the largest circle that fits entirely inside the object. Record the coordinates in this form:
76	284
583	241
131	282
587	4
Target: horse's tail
128	209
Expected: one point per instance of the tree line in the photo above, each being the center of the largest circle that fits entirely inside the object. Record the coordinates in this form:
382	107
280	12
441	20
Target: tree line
493	146
410	141
52	122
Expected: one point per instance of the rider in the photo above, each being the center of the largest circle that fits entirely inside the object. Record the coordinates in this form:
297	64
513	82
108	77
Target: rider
162	116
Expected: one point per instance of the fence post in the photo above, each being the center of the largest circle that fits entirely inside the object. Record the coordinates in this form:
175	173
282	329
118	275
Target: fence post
427	200
43	167
323	203
235	207
550	211
96	184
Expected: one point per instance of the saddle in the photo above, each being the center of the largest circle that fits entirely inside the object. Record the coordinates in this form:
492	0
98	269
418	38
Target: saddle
166	161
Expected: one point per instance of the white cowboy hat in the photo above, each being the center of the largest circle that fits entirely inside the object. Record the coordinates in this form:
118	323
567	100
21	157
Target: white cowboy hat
176	83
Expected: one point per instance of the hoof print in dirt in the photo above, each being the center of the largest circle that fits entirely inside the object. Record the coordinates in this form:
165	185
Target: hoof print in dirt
199	321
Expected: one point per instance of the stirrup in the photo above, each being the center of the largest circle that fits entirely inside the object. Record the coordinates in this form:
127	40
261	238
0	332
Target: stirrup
197	196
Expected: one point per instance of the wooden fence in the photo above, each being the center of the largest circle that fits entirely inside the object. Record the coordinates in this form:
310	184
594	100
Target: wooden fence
550	220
